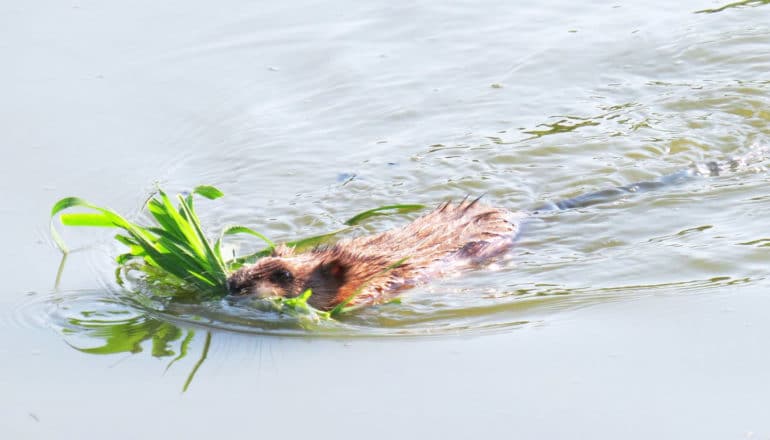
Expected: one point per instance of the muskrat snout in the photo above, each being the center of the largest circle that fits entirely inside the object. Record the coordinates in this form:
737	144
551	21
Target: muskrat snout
237	284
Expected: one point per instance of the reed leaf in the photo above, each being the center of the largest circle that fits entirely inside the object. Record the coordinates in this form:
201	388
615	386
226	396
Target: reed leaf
209	192
383	210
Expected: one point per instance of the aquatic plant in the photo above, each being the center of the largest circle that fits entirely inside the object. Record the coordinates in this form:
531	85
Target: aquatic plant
176	257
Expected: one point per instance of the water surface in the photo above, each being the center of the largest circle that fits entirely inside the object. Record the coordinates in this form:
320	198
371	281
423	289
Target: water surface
642	318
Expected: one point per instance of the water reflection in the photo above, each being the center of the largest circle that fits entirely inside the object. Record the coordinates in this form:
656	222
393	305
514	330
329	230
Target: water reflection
627	118
99	324
562	126
127	334
734	5
96	323
102	323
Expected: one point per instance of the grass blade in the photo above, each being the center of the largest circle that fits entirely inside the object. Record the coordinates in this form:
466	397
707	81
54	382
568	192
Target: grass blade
312	241
216	262
73	202
86	219
209	192
235	230
383	210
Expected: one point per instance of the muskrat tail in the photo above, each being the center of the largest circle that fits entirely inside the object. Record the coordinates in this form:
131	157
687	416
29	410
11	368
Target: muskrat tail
751	160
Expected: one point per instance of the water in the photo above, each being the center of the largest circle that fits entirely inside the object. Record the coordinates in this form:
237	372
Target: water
641	318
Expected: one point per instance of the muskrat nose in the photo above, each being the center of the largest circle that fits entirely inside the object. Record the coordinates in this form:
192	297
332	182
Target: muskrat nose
234	286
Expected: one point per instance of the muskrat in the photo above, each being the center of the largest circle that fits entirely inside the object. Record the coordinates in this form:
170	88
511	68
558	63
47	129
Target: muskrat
373	269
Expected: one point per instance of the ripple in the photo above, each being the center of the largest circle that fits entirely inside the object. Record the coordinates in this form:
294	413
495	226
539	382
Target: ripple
31	312
100	322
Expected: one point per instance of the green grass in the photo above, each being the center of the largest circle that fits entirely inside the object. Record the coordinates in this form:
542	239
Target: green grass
176	256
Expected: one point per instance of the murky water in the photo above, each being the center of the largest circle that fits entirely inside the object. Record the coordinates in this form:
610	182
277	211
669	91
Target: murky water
640	318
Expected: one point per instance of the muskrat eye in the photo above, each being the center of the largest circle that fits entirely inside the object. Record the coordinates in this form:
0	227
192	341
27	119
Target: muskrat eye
281	276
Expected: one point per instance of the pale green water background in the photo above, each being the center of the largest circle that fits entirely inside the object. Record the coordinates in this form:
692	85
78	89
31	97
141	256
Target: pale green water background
645	318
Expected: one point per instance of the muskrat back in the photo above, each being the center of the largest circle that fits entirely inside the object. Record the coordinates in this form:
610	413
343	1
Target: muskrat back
372	269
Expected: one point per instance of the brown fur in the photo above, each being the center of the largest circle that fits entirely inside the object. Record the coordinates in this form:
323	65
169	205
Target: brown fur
372	269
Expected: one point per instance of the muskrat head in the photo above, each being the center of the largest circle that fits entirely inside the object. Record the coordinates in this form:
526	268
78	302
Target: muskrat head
290	277
269	277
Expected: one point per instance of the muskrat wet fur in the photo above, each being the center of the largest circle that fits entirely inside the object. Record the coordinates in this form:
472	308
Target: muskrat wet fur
372	269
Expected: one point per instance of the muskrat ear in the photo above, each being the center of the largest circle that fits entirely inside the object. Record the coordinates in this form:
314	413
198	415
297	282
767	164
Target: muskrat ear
334	270
282	251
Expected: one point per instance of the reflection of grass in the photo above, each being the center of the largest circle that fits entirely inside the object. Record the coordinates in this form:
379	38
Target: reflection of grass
622	114
734	5
127	335
204	354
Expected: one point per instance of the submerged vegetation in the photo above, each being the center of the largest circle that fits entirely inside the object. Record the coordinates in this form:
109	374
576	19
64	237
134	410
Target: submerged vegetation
176	258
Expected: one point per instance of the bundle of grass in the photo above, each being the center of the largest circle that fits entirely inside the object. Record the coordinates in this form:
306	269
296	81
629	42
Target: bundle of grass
177	257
